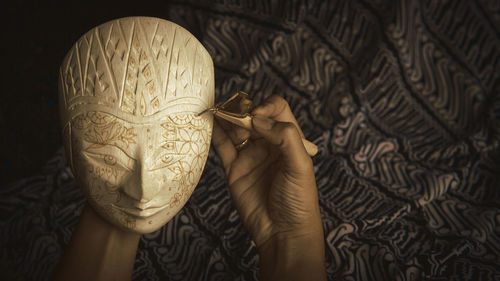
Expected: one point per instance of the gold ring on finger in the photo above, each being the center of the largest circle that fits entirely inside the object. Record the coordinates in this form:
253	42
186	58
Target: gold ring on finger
240	146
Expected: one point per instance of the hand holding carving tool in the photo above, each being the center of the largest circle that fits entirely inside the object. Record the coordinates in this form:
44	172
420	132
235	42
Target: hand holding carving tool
236	110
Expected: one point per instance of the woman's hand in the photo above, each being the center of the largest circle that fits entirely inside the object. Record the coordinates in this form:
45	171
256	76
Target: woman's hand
272	184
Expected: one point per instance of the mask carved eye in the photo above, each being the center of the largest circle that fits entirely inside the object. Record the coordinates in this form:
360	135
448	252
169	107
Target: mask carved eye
110	160
110	156
167	159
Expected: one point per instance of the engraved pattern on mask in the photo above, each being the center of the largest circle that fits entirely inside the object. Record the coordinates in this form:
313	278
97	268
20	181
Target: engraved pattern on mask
185	135
102	173
105	129
140	65
184	149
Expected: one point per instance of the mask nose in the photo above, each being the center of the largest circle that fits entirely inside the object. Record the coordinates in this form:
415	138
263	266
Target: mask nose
143	186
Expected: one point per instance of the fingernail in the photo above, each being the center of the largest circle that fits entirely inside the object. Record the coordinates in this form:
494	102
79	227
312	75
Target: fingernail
262	122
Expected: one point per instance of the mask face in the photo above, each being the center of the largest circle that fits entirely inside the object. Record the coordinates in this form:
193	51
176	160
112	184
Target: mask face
139	175
132	135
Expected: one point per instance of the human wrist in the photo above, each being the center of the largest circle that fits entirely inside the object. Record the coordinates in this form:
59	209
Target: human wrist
293	256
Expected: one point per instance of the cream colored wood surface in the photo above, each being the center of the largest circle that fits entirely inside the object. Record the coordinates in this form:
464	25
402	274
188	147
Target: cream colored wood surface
129	94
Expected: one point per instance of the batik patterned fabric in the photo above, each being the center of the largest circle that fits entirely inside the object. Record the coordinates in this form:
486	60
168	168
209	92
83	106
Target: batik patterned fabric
402	99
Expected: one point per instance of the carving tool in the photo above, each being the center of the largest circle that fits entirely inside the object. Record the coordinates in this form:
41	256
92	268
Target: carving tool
236	110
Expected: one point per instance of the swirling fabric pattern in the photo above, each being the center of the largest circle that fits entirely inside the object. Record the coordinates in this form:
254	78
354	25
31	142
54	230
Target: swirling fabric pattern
402	99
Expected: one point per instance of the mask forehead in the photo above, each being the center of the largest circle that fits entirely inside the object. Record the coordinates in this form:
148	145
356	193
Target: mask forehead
137	66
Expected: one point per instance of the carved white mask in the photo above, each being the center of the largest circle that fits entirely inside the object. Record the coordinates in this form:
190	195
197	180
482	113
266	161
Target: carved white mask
129	92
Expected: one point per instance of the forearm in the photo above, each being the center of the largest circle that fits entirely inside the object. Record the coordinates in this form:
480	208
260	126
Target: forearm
297	258
98	250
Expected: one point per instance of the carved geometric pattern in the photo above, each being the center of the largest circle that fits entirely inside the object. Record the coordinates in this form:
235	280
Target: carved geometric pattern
105	147
135	64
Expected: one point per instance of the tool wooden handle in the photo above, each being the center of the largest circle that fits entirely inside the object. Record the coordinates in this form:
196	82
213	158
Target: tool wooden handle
311	148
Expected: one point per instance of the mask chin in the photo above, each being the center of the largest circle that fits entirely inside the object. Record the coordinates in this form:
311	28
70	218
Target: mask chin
140	225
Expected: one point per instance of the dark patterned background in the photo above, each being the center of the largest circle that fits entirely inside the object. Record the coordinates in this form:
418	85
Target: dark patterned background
402	98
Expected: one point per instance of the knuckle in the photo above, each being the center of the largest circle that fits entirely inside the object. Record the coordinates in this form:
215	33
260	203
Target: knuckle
289	130
279	102
274	105
276	98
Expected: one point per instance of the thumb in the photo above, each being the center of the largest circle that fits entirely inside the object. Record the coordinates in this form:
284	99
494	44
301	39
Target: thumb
286	137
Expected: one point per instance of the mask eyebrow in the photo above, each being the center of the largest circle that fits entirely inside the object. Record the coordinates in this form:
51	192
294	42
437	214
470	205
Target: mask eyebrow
109	132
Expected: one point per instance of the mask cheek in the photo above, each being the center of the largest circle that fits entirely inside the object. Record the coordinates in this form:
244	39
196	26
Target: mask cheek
99	182
184	180
102	191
